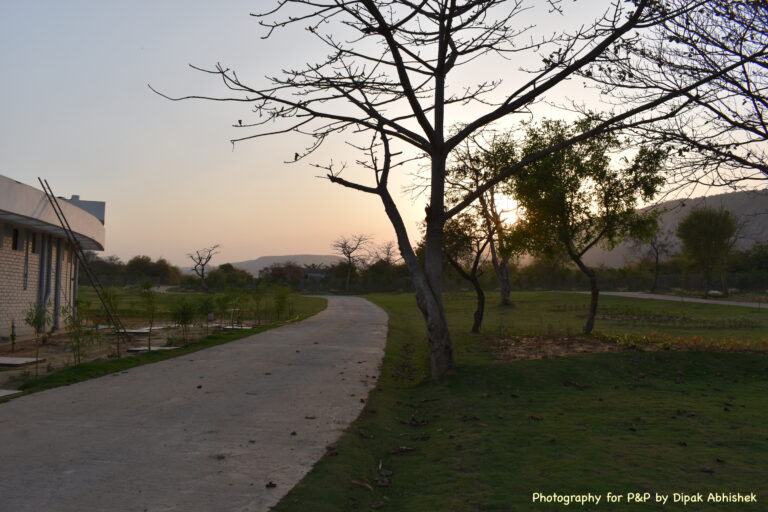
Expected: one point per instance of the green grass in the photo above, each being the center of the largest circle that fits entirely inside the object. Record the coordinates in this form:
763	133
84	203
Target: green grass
708	325
129	301
305	307
493	433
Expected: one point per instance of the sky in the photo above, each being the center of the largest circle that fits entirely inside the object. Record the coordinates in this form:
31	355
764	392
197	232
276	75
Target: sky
76	110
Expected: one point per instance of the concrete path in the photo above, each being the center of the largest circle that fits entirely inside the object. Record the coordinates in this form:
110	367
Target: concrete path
641	295
203	432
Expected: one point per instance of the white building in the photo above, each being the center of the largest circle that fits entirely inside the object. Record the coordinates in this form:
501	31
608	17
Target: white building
37	264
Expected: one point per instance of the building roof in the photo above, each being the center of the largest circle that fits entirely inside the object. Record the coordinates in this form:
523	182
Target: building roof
27	206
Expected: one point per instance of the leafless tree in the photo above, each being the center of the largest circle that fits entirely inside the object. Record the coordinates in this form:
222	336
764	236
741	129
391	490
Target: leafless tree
351	249
718	131
390	74
386	252
656	245
201	258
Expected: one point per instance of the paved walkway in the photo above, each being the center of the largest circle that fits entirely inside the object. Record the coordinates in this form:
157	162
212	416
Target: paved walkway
202	432
641	295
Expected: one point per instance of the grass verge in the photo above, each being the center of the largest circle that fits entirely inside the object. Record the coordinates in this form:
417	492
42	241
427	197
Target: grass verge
493	433
306	307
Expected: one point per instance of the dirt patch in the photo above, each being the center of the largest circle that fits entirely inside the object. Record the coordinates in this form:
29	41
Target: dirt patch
515	348
57	350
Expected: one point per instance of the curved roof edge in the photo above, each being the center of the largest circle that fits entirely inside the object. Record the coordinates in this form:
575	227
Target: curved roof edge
27	206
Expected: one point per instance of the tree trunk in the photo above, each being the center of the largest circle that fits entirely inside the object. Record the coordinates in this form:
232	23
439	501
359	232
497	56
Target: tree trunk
501	267
655	275
504	287
349	276
594	290
428	296
480	308
479	293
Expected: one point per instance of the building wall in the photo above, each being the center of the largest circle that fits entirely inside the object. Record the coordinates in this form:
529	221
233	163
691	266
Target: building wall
21	283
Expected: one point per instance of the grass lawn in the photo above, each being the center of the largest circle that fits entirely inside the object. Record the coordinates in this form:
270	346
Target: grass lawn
493	433
304	307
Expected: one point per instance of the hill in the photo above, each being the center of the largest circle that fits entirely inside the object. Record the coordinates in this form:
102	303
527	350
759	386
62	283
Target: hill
254	266
751	207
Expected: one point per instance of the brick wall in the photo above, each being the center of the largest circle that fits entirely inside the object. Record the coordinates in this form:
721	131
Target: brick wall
15	298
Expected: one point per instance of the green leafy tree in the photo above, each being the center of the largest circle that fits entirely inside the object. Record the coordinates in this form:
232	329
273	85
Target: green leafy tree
708	237
576	198
473	163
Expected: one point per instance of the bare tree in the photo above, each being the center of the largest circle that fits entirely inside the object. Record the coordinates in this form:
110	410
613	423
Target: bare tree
718	131
351	248
386	252
201	258
389	74
659	244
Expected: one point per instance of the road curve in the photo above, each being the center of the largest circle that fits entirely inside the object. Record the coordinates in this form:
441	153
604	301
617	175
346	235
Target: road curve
202	432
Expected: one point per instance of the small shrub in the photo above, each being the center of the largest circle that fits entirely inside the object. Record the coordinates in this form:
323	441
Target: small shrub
183	314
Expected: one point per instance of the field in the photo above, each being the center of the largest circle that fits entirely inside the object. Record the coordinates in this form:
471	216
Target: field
673	409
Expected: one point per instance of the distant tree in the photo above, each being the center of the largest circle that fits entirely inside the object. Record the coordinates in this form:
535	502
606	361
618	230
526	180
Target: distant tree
227	277
658	244
200	258
139	269
288	273
465	246
351	249
708	237
165	273
575	199
386	252
110	271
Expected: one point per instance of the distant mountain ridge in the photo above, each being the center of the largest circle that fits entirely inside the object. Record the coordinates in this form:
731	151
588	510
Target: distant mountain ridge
749	206
254	266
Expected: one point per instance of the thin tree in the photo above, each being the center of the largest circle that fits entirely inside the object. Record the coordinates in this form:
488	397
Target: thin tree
149	302
476	159
200	258
576	199
657	244
351	248
390	73
465	247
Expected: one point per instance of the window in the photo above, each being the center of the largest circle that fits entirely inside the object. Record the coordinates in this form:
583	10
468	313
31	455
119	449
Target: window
15	240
